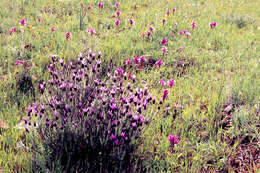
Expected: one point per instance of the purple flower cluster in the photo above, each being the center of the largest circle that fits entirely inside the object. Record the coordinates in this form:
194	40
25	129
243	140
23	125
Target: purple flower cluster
105	112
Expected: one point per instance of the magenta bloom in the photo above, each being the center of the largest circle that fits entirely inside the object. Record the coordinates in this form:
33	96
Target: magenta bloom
165	94
162	82
120	72
117	4
68	35
149	34
12	30
118	13
91	31
89	7
213	25
117	22
170	83
163	21
131	21
180	32
142	59
39	19
143	35
151	28
127	62
173	10
168	12
193	25
164	41
185	31
52	29
188	34
164	49
173	140
101	5
159	63
136	60
23	22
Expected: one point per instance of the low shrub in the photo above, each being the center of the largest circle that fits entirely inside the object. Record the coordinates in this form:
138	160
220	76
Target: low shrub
88	122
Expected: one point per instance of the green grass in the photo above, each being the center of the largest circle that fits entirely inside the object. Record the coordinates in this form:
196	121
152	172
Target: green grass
223	66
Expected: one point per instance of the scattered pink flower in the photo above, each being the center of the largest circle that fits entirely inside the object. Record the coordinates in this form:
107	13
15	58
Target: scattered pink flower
82	5
101	5
164	41
143	35
168	12
117	22
163	21
188	34
12	30
149	34
127	62
68	35
164	49
185	31
117	4
180	32
118	13
52	29
89	7
213	25
162	82
142	59
23	22
173	10
136	60
175	24
165	94
193	25
91	31
131	21
151	28
173	140
159	63
170	83
39	19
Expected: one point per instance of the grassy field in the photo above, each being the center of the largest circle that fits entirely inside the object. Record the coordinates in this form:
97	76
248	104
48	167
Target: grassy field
213	107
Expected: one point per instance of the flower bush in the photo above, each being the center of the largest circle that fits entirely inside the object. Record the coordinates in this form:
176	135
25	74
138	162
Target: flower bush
88	122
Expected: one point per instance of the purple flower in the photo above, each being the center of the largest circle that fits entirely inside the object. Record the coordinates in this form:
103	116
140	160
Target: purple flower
89	7
188	34
170	83
118	13
68	35
159	63
91	31
164	41
29	110
151	28
163	21
149	34
134	124
168	12
213	25
120	72
52	29
173	140
180	32
12	30
113	136
117	4
165	94
39	19
173	10
101	5
23	22
164	49
127	62
193	25
162	82
117	22
131	21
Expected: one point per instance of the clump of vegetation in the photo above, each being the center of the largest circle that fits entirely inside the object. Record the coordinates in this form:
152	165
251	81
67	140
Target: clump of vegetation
86	122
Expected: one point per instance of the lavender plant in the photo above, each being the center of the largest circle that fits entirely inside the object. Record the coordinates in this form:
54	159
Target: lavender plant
88	122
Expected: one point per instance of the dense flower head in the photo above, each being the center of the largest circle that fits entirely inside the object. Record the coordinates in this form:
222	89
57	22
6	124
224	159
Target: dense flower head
68	35
173	11
91	31
117	22
159	63
23	22
12	30
164	49
118	13
173	140
164	41
101	5
151	28
171	83
213	25
168	12
117	4
52	29
163	21
131	21
193	25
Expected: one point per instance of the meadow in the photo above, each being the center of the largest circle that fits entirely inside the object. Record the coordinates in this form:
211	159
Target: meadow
199	59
